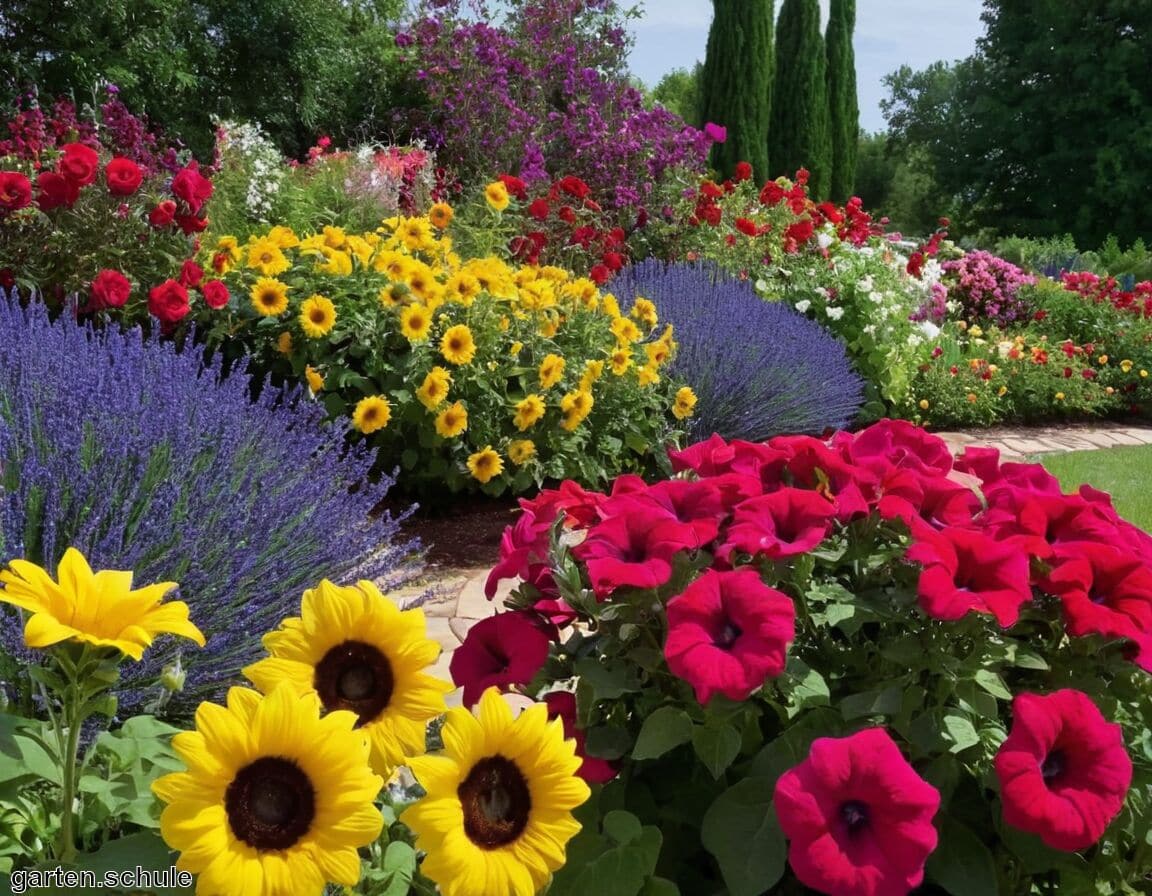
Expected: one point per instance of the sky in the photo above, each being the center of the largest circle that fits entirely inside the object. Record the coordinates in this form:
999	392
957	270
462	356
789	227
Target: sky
889	33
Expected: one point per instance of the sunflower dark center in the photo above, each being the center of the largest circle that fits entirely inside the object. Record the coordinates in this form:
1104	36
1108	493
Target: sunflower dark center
496	802
1053	765
318	316
270	803
854	815
727	635
357	677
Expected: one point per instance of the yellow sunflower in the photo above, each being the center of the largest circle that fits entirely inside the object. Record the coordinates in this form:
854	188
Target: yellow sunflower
393	294
275	800
440	215
520	451
551	369
371	413
485	464
269	296
647	375
576	407
283	237
95	608
415	234
462	288
265	256
529	410
415	322
354	649
593	370
625	330
335	237
498	812
317	316
434	389
685	403
645	312
452	421
497	195
284	343
395	264
658	352
457	345
315	379
620	360
337	263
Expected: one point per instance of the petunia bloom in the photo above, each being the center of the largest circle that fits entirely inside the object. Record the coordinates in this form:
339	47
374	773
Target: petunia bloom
858	817
728	633
634	548
502	650
782	524
1063	769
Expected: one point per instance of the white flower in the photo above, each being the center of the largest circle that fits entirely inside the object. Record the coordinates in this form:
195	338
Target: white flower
1004	348
876	296
803	305
929	329
824	240
761	285
835	313
864	284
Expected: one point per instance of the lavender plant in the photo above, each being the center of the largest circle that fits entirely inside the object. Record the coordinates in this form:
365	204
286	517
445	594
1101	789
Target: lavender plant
147	459
759	369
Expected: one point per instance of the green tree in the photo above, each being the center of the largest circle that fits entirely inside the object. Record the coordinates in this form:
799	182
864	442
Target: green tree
843	106
798	132
736	82
679	92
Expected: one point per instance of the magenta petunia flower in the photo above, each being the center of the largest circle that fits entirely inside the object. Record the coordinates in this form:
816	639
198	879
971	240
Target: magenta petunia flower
900	444
785	523
594	770
728	633
1063	769
857	816
500	651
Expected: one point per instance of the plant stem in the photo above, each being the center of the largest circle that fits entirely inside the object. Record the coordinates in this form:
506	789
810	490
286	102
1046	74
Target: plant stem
71	717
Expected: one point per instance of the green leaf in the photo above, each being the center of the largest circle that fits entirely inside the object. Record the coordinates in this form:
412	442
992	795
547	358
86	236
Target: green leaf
993	684
716	746
606	683
145	849
663	730
961	863
623	827
659	886
960	731
808	686
1028	659
886	702
740	829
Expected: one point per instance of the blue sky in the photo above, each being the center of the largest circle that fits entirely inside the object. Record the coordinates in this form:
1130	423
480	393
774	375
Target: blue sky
889	33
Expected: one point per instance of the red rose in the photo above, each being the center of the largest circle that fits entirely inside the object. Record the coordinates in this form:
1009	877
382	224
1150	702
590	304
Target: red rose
746	226
163	215
110	289
191	186
573	186
15	191
613	261
123	177
168	302
190	224
54	190
191	274
79	163
743	172
515	186
215	294
539	209
567	214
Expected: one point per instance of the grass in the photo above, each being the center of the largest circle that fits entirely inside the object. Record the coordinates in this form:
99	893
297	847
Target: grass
1125	473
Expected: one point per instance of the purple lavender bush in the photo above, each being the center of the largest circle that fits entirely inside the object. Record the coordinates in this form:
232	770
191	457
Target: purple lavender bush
758	368
146	459
544	92
987	288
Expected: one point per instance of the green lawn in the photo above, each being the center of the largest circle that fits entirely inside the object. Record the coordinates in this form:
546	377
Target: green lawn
1125	473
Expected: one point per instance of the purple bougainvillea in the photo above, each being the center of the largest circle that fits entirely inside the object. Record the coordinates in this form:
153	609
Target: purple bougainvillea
148	460
987	288
758	368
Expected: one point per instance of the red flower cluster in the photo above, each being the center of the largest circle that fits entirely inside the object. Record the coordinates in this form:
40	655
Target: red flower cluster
1137	300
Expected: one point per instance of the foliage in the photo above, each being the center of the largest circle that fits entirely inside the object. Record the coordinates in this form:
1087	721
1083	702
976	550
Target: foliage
758	368
679	92
987	289
463	357
896	599
736	83
843	106
1123	472
145	459
798	134
542	92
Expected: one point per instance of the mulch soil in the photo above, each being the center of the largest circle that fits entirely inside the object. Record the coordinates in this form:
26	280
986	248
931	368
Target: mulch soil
467	534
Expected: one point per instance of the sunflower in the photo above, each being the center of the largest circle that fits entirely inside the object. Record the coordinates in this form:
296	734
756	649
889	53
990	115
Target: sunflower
415	322
452	421
355	650
625	330
497	195
371	413
337	263
275	799
265	256
620	360
658	352
520	451
440	215
95	608
284	343
283	237
529	410
645	312
647	375
335	237
576	407
434	389
685	403
551	369
269	296
461	287
395	264
416	234
485	464
393	294
315	379
457	345
593	370
317	316
498	810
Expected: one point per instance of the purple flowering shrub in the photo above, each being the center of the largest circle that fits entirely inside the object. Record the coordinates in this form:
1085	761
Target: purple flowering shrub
986	288
146	459
758	368
544	93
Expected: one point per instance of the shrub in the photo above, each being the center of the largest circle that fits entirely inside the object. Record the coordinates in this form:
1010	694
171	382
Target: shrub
793	647
145	459
987	288
759	369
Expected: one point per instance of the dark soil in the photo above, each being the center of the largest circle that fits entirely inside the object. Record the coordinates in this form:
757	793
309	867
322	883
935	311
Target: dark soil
465	534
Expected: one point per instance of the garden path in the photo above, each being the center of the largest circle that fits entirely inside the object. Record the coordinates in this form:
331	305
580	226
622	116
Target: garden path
456	594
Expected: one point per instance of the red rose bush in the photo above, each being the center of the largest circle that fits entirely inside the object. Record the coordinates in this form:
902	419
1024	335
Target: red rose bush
856	666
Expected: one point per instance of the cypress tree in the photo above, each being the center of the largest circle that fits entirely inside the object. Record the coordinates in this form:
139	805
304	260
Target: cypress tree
736	83
798	129
843	107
